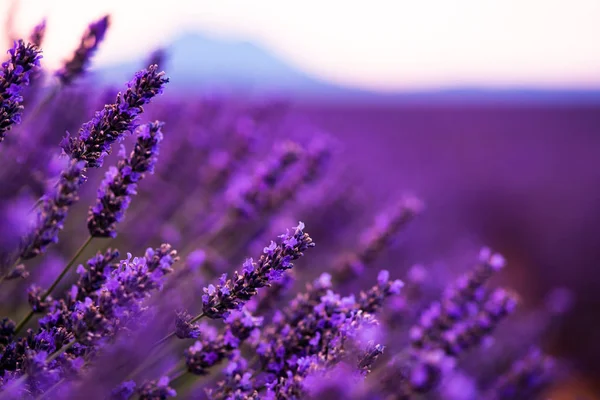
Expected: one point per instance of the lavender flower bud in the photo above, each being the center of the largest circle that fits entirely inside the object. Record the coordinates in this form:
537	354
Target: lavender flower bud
92	277
184	329
254	195
157	390
208	351
525	379
54	210
266	299
377	238
460	301
7	330
37	35
238	382
469	287
124	391
17	272
232	294
120	183
368	358
115	120
372	300
90	41
465	335
119	300
35	294
14	75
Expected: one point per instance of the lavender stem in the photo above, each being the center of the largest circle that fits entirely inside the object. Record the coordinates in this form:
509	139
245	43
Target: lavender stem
40	106
47	293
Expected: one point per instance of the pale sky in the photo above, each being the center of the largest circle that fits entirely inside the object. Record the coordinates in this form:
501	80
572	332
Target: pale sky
382	45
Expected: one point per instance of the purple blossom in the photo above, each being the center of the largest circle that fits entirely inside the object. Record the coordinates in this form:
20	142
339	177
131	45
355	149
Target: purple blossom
37	35
115	120
377	238
184	329
120	297
157	390
95	273
210	350
253	195
243	287
525	378
53	211
121	181
14	76
93	36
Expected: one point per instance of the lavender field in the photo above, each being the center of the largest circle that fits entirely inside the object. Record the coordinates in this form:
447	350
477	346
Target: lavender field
159	243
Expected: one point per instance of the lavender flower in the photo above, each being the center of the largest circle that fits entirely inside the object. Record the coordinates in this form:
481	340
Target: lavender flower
53	211
184	328
14	75
38	34
238	382
232	294
369	357
210	350
90	41
115	120
92	277
121	181
157	390
119	299
525	378
312	325
124	391
377	237
253	196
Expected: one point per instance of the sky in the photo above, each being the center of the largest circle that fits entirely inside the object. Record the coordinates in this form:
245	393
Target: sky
387	45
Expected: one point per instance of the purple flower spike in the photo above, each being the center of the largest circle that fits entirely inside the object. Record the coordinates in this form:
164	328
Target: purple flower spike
232	294
208	350
115	120
157	390
54	210
90	41
526	377
14	76
38	33
377	238
184	329
121	181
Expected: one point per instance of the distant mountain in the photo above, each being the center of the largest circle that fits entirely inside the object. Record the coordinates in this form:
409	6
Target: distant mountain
207	63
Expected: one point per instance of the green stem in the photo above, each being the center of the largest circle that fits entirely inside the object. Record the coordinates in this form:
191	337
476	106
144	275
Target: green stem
60	351
51	390
47	293
197	318
13	266
45	101
163	340
173	382
67	267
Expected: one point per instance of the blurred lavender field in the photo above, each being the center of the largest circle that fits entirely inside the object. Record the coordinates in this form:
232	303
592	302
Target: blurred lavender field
401	197
524	177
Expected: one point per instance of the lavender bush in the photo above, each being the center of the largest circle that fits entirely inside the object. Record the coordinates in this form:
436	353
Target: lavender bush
204	321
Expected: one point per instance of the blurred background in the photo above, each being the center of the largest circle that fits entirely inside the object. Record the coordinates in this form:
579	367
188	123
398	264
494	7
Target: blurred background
487	110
